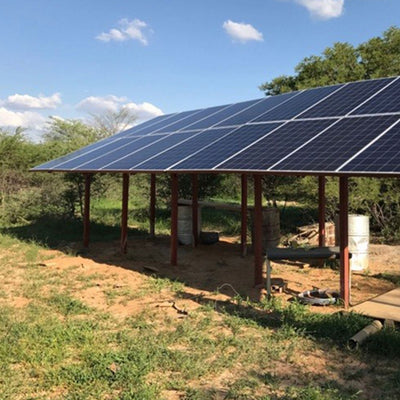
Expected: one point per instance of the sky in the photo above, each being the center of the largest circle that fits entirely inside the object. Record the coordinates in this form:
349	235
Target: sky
72	59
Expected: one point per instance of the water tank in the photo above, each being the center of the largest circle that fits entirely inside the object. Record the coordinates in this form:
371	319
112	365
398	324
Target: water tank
358	241
185	233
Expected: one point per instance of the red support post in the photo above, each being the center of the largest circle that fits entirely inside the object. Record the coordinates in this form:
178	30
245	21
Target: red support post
124	214
86	211
174	219
257	223
344	241
243	233
195	209
152	204
321	211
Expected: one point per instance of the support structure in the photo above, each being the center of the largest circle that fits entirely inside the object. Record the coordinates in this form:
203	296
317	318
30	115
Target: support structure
257	226
152	204
174	219
124	213
195	209
321	211
86	211
243	231
344	239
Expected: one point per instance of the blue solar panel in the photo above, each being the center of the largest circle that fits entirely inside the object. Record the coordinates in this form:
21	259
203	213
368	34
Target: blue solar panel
87	149
108	157
265	153
308	131
297	104
335	146
381	156
346	99
137	129
186	123
128	161
260	108
178	153
162	125
226	147
113	146
224	114
387	101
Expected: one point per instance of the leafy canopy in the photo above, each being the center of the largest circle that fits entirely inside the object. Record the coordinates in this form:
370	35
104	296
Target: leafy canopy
376	58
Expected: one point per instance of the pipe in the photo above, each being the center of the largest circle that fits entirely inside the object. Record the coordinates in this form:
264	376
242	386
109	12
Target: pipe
360	337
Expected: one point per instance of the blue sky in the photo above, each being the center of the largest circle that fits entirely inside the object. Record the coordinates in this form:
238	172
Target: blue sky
71	58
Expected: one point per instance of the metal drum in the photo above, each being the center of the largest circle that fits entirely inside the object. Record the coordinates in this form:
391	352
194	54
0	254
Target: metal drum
271	227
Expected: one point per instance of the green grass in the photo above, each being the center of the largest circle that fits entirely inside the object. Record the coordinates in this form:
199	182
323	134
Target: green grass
57	346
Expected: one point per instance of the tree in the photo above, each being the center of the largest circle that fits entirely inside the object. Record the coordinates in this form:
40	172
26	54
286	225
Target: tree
376	58
112	122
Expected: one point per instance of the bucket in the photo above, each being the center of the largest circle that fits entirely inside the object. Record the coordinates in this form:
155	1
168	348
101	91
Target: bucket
358	241
185	234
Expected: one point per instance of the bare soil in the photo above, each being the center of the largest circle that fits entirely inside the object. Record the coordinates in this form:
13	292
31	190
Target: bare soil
213	272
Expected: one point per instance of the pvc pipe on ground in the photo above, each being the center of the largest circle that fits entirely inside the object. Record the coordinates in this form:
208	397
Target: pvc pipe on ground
361	336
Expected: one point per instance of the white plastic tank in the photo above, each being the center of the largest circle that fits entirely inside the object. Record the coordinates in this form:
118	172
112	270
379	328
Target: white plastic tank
185	233
358	241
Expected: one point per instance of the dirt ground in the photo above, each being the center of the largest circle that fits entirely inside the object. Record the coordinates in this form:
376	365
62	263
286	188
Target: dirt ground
215	272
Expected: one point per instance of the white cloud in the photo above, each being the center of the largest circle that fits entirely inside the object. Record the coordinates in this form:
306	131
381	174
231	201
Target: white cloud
242	32
323	9
26	119
144	111
27	102
127	30
97	105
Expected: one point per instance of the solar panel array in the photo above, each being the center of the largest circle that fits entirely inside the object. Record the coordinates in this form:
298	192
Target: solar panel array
349	128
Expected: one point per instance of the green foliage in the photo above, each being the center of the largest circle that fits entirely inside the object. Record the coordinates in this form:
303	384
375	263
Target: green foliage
376	58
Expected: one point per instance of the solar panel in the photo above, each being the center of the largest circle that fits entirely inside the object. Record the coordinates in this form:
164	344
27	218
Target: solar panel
298	104
163	125
135	157
224	114
185	124
98	152
265	153
87	149
219	151
137	129
346	99
92	163
341	128
185	149
387	101
258	109
381	156
336	145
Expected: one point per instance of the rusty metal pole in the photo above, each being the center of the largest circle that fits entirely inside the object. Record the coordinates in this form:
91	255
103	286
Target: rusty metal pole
243	233
321	211
344	240
152	204
174	219
195	209
124	213
86	211
257	223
